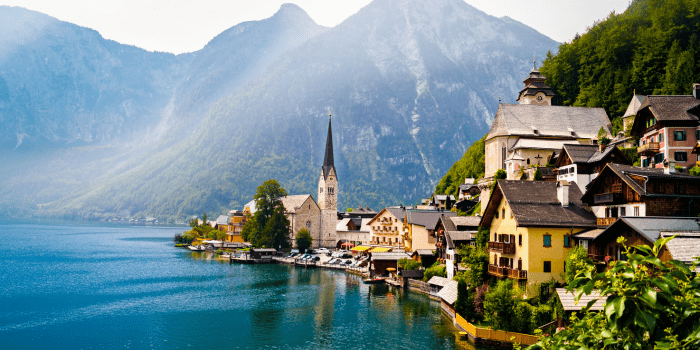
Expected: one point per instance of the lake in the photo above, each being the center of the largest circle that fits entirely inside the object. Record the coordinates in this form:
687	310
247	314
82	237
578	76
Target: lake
97	287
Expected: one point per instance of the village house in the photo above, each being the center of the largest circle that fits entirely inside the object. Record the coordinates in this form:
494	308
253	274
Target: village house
386	228
583	163
623	190
454	232
419	228
468	190
668	128
603	247
531	224
381	261
353	230
236	221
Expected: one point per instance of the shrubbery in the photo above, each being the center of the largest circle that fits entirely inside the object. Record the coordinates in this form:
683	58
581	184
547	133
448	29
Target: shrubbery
409	264
435	270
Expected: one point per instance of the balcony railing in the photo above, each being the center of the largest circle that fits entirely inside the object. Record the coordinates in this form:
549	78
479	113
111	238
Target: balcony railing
606	198
502	247
605	221
616	188
501	271
649	148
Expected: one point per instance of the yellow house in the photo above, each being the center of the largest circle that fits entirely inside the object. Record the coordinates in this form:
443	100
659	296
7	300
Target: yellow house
419	227
531	226
237	220
387	227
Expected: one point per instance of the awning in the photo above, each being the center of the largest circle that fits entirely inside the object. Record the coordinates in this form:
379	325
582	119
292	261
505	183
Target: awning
360	248
391	269
347	244
379	250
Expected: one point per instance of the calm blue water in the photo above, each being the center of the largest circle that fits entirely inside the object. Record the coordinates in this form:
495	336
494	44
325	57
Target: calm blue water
90	287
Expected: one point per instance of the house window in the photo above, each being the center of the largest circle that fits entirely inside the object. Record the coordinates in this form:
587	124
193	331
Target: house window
636	211
658	158
330	190
567	241
547	240
623	211
520	240
697	135
645	162
680	156
547	266
496	215
503	212
651	122
679	135
320	190
678	188
661	137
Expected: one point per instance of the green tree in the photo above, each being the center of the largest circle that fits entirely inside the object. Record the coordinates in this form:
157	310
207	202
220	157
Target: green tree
204	219
576	261
650	305
499	305
435	270
409	264
476	261
249	228
271	225
304	240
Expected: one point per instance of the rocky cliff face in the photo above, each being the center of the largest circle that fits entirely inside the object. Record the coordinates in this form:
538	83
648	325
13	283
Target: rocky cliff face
411	84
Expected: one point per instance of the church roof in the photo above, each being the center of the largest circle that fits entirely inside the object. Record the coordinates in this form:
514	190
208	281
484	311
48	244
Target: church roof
328	162
536	143
636	102
535	83
292	202
548	121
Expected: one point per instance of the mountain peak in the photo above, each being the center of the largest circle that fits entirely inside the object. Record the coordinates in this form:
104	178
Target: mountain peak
291	10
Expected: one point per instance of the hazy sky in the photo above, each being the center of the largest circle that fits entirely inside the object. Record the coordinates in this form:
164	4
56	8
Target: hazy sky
179	26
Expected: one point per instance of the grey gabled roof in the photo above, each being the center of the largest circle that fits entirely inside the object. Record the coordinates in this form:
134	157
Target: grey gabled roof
222	220
553	121
674	107
634	105
426	218
535	204
397	212
438	281
390	256
568	300
685	246
448	293
651	227
411	273
472	221
579	153
423	252
291	203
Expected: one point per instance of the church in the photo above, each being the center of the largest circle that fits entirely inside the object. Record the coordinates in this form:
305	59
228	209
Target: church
319	218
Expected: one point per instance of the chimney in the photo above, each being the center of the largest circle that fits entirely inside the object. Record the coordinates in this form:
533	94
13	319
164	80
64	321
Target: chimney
696	91
669	166
563	193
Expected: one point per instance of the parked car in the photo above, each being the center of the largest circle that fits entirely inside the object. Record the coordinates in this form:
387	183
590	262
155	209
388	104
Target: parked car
322	250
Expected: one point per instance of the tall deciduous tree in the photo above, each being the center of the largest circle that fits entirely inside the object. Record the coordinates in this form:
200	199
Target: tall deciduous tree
304	240
271	226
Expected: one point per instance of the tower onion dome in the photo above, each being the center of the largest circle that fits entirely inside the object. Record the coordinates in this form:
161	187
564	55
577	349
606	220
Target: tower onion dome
534	83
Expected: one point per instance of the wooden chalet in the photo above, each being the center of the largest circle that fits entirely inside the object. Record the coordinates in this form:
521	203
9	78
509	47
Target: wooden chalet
623	190
582	163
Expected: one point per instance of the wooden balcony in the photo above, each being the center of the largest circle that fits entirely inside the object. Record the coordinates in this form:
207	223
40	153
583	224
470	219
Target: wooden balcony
606	198
500	271
650	148
502	247
605	221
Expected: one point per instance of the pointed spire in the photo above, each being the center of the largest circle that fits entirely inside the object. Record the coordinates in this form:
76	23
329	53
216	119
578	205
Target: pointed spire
328	162
534	62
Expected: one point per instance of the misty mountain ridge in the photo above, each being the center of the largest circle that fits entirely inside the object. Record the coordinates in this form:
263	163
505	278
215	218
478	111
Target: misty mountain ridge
411	85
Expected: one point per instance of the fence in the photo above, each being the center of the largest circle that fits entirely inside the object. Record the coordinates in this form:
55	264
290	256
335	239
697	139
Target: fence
483	334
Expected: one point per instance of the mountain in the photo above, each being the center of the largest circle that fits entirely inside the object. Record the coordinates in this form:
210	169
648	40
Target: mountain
411	84
63	85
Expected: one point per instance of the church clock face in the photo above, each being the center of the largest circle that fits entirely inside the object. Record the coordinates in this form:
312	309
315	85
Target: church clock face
539	98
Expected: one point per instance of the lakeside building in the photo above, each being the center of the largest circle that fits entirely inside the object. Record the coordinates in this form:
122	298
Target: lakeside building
353	230
420	228
454	232
668	128
387	228
531	224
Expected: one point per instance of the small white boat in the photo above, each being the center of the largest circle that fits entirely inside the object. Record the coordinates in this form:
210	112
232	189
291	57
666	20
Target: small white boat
197	248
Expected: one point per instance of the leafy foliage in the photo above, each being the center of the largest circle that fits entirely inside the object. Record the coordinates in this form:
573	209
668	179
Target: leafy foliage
303	239
650	305
649	48
477	263
435	270
271	225
471	165
576	261
409	264
499	305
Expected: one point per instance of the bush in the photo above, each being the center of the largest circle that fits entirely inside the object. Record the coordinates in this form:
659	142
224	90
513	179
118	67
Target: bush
464	305
178	245
435	270
522	322
576	261
219	252
541	315
499	305
479	297
409	264
304	240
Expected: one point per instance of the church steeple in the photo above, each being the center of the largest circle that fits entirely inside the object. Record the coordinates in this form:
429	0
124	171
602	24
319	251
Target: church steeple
328	162
536	90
